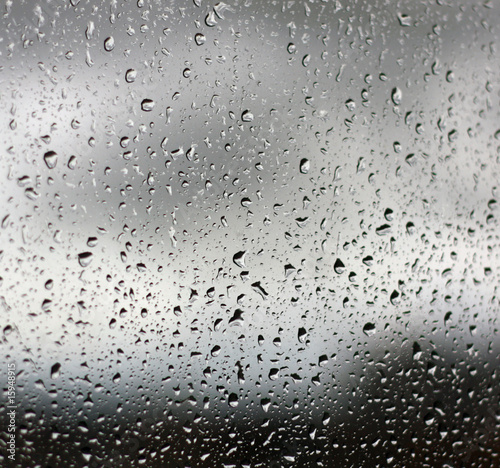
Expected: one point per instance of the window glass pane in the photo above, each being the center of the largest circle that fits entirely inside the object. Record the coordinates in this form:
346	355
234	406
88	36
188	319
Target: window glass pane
249	233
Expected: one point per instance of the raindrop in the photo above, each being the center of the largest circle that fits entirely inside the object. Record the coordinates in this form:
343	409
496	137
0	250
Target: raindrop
72	162
130	75
369	329
383	230
404	20
85	259
339	266
54	371
50	158
200	39
396	96
233	400
239	259
305	165
147	105
247	116
210	20
109	44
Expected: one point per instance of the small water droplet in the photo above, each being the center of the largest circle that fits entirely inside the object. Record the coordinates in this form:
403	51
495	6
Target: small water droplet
50	159
130	75
369	329
147	105
72	162
417	351
383	230
237	318
396	96
210	19
305	166
404	20
233	400
200	39
54	371
274	374
85	259
247	116
339	266
109	44
239	259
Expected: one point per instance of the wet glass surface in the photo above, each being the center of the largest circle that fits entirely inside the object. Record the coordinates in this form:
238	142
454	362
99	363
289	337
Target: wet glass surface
250	233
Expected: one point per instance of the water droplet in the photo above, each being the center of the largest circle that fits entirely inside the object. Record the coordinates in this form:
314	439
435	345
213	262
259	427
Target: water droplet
305	166
147	105
239	259
417	351
50	159
233	400
350	105
369	329
265	403
404	20
396	96
210	20
237	318
383	230
72	162
54	371
200	39
247	116
130	75
452	136
339	266
274	374
109	44
85	259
